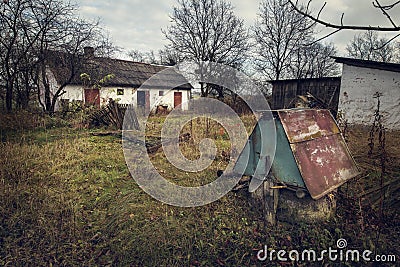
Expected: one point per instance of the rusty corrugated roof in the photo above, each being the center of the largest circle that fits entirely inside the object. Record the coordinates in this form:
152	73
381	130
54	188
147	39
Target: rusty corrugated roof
321	154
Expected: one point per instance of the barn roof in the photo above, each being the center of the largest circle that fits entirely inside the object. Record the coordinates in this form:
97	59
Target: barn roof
368	64
126	73
320	79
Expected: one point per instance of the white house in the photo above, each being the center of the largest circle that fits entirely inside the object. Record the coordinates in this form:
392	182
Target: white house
361	79
169	90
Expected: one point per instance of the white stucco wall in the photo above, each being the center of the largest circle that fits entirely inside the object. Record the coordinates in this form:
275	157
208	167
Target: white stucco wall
356	95
74	92
53	88
168	98
111	92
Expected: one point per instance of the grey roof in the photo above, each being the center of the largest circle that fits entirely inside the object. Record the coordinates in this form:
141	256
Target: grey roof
368	64
304	79
126	73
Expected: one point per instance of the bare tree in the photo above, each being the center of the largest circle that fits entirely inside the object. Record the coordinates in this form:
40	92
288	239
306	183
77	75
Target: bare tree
207	30
144	57
65	52
17	37
314	61
397	51
278	33
285	46
384	9
103	43
166	56
169	57
32	30
136	55
370	46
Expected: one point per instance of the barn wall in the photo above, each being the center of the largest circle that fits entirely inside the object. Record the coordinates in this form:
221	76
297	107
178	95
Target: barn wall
284	93
356	96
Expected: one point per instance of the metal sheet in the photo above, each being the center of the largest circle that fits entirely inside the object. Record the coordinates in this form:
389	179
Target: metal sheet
255	158
284	166
324	163
310	152
307	124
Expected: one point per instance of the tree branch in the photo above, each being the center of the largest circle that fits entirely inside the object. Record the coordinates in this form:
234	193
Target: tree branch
342	26
378	5
386	43
324	37
388	7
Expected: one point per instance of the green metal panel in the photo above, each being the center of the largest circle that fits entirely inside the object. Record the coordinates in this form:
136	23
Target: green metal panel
245	160
263	148
254	157
284	166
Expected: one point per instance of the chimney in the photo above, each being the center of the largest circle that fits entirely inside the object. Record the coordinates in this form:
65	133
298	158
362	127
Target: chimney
88	51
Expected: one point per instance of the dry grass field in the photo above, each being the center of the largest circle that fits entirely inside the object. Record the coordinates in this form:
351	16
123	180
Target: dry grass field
67	199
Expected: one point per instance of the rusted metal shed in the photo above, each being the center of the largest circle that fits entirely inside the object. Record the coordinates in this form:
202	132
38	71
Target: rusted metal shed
311	159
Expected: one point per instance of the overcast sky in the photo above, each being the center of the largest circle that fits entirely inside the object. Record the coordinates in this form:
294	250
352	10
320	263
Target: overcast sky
137	24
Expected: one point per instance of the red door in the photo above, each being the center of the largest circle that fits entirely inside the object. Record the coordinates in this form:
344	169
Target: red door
92	97
177	99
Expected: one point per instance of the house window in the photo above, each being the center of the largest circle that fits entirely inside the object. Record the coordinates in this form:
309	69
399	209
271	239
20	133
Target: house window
160	93
120	91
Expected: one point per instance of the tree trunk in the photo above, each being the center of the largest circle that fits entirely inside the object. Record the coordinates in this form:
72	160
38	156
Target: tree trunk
9	97
47	96
203	92
47	92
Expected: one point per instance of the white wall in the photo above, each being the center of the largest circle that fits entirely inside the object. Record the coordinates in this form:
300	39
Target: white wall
54	86
356	95
111	92
75	92
168	98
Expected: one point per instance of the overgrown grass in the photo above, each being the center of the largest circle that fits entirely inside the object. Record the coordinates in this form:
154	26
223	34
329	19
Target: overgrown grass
67	198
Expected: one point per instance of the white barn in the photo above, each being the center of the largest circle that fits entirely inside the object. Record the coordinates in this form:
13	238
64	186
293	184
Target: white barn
126	87
361	79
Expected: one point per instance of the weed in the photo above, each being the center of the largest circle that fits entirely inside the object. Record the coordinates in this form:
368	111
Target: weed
67	198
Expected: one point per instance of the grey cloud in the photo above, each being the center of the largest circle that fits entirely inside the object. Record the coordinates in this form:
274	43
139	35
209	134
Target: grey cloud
136	24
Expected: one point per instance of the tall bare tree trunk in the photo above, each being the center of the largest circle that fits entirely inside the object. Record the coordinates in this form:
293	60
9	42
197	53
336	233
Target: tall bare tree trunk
9	97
